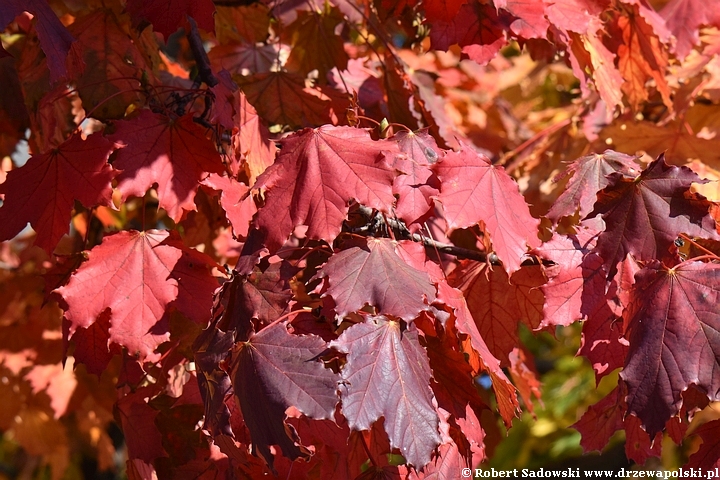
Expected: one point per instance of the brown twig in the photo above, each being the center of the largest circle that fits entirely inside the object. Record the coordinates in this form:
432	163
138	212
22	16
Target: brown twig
200	55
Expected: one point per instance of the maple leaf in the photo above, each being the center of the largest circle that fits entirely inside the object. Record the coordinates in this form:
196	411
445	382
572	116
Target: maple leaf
576	284
210	348
129	273
315	175
641	57
708	456
589	176
574	15
591	61
673	328
372	272
500	304
444	10
109	85
144	440
251	143
531	21
239	206
387	374
683	17
174	153
91	345
504	390
600	421
282	98
417	184
476	28
196	283
55	40
314	43
166	17
274	370
264	294
474	190
673	140
643	216
43	190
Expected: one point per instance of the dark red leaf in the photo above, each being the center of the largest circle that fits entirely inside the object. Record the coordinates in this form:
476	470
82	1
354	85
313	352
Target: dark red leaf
212	347
273	371
92	345
708	456
168	16
476	28
644	216
674	332
589	176
315	176
372	273
499	305
43	190
172	153
144	440
54	38
473	190
600	421
387	374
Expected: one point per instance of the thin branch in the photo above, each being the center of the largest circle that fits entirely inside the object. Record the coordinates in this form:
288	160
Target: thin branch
201	58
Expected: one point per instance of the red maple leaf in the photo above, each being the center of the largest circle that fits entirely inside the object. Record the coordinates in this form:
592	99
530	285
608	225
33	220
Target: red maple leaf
417	184
644	215
144	440
387	374
316	174
282	97
167	16
708	456
239	206
129	273
673	324
474	190
476	28
170	152
91	345
196	283
274	370
442	9
372	273
600	421
500	304
210	348
115	65
574	15
43	190
589	177
531	21
504	390
55	40
683	17
576	283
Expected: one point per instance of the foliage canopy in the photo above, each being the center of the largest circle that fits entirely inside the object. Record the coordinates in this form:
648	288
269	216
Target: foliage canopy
306	238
